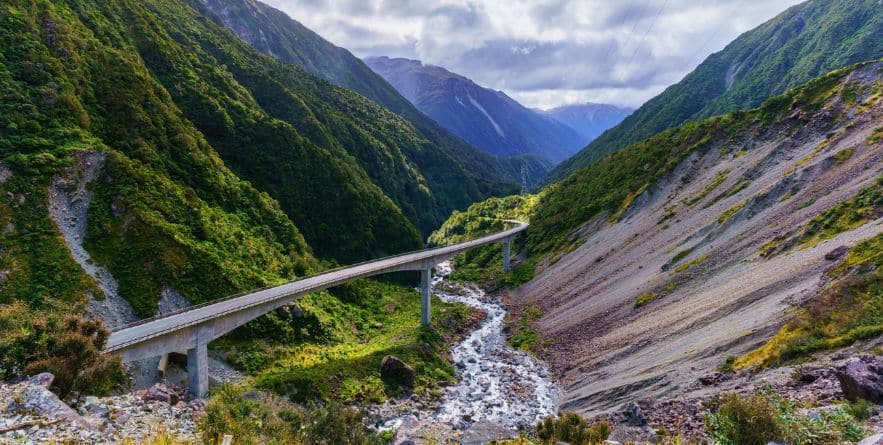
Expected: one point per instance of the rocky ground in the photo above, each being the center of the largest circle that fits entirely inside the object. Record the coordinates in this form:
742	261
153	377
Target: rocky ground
819	386
31	414
729	299
501	391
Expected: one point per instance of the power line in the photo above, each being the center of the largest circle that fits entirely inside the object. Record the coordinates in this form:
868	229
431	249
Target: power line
650	28
628	13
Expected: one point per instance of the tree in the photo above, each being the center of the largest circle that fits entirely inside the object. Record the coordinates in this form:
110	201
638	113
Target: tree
74	356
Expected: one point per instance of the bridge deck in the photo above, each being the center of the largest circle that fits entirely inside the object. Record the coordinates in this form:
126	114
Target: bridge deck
147	329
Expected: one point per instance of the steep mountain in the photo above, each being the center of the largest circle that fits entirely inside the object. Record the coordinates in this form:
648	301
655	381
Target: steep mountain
126	129
666	260
272	32
88	133
804	42
203	166
589	120
488	119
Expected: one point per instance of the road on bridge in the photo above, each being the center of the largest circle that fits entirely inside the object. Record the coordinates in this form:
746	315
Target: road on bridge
192	328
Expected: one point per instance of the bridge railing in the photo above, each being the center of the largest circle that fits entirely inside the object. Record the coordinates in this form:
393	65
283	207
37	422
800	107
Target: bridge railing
521	227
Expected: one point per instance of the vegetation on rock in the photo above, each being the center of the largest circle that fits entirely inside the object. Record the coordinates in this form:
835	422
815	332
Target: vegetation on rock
847	310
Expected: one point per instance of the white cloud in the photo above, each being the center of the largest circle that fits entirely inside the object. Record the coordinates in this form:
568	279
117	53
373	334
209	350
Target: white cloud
543	52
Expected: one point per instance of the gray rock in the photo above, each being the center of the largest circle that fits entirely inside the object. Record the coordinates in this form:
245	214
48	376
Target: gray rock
34	398
484	431
44	379
810	374
862	378
634	429
876	439
396	371
633	415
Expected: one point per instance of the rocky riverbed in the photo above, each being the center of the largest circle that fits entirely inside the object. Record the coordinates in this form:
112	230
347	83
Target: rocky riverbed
501	390
31	414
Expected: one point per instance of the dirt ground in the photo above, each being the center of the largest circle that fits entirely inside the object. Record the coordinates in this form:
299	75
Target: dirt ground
607	352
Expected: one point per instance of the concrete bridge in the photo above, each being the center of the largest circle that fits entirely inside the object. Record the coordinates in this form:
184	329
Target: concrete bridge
192	329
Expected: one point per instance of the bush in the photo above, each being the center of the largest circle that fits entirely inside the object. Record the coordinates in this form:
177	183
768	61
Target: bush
751	420
74	356
571	428
70	349
767	417
258	418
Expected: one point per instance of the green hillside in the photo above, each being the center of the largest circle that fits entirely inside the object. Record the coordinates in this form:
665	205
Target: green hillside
165	209
804	42
609	187
272	32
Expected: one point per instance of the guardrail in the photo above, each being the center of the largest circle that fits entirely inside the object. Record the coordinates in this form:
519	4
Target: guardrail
423	254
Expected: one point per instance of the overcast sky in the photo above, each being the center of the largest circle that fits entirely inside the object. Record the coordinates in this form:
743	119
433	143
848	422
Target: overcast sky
544	53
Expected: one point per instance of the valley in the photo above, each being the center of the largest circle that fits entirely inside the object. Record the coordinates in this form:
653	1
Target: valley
218	227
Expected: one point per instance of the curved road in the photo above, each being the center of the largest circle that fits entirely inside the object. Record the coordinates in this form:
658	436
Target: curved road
192	328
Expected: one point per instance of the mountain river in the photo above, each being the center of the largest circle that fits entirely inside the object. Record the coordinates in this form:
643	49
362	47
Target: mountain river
498	384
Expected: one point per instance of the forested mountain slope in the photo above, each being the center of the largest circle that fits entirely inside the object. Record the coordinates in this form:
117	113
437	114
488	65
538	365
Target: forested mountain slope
85	121
127	130
646	270
273	32
804	42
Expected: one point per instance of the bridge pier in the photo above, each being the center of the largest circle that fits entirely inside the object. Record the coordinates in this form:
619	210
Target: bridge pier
197	363
425	295
507	248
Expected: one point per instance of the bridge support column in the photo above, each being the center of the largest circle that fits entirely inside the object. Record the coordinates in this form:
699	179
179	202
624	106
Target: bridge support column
426	294
507	248
197	363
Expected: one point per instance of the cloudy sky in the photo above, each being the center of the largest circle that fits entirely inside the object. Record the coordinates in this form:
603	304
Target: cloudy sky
543	53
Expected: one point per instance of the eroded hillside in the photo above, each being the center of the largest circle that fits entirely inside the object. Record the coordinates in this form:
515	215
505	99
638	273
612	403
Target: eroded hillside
682	276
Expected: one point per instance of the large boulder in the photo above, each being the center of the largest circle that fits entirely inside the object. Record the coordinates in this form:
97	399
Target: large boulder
162	392
862	378
485	432
633	429
32	397
395	371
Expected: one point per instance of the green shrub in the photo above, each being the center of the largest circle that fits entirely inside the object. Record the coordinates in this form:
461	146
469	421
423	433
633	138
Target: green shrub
74	356
750	420
571	428
258	418
767	417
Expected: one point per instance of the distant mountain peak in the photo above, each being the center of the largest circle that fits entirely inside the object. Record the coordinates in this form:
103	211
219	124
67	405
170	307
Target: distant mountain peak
487	118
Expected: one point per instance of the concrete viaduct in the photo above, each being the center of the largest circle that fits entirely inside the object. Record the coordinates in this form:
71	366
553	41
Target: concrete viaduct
192	329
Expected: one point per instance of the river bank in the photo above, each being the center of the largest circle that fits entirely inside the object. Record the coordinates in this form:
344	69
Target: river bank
501	391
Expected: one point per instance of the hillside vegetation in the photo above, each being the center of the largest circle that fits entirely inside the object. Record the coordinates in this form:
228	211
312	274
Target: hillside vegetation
804	42
166	209
644	271
447	157
611	186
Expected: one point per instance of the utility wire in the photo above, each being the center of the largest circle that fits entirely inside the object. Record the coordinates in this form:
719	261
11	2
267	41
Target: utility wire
650	28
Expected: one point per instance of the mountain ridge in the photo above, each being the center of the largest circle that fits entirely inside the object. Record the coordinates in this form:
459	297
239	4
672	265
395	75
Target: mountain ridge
805	41
588	119
273	32
489	119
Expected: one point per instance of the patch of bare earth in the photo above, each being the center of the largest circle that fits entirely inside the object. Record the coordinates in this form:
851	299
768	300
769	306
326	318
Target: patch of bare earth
69	199
608	352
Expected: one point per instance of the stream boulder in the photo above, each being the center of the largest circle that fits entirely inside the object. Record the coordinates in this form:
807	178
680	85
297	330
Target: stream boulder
397	372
